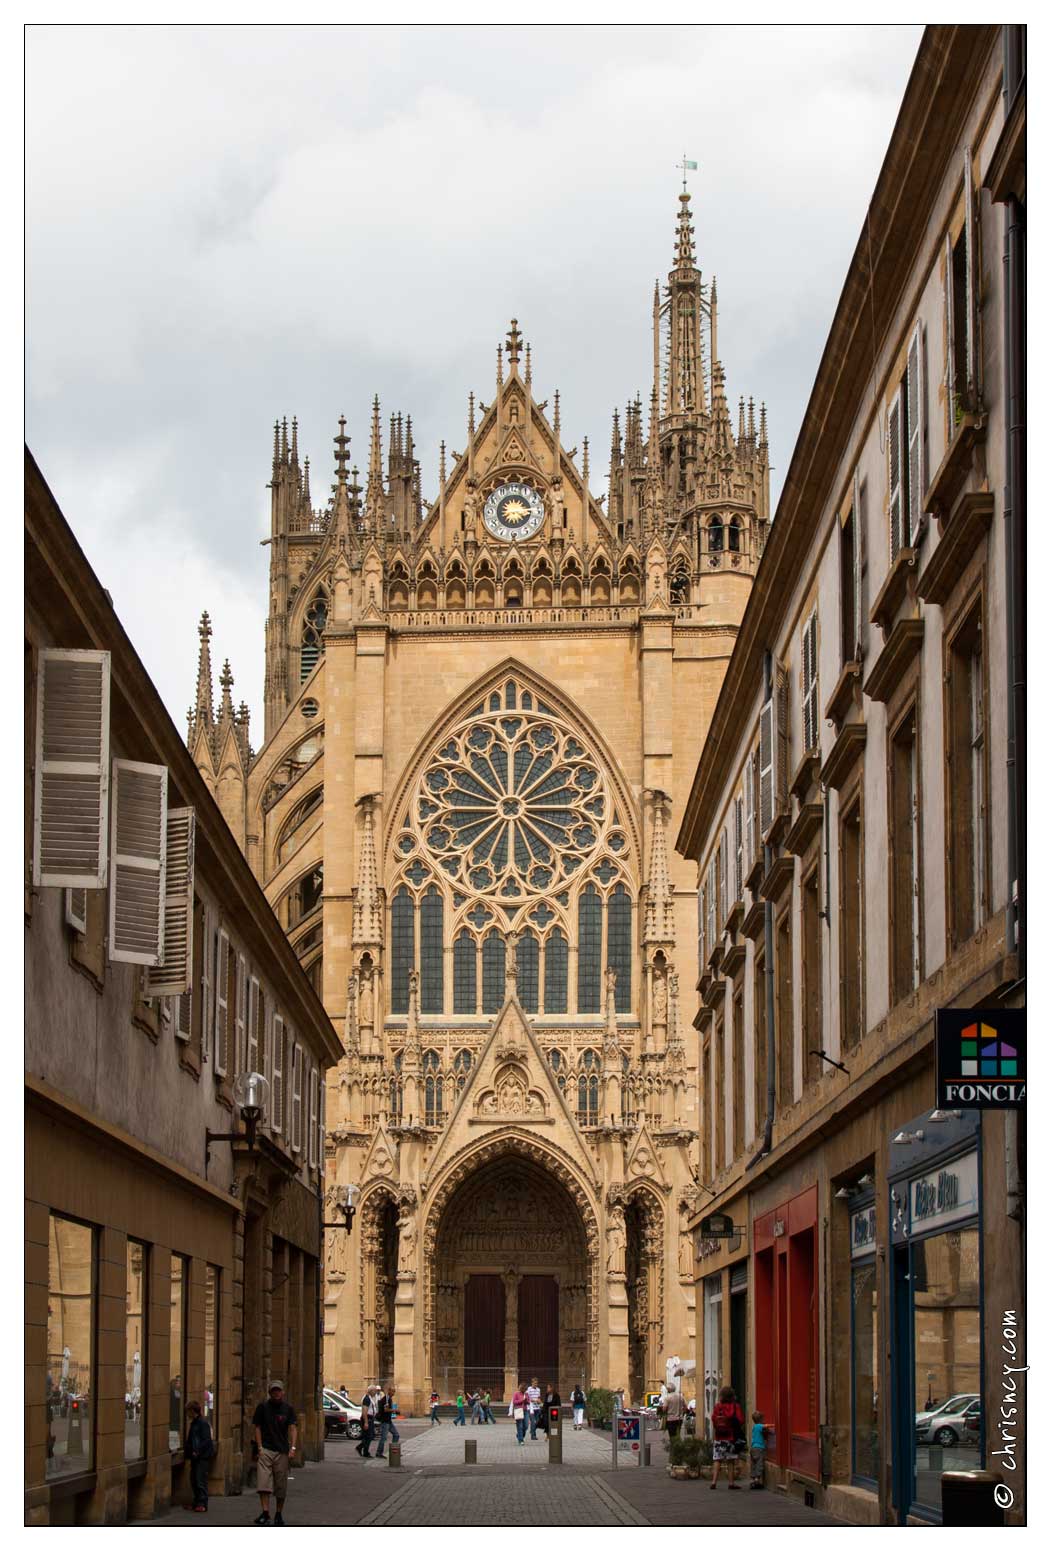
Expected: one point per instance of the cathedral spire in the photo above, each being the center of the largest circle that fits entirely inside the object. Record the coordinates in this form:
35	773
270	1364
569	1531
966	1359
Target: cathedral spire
684	250
660	921
514	346
368	924
204	709
374	481
226	706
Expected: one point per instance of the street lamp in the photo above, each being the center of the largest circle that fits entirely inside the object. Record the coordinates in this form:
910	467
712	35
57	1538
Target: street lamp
348	1205
251	1091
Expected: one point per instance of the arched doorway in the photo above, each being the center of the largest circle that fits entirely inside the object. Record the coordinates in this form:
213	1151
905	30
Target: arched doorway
380	1257
510	1274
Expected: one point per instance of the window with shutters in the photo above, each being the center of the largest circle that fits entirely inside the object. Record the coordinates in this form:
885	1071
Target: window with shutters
810	714
785	1005
751	795
813	966
962	355
706	1111
173	975
225	964
850	583
738	1077
851	924
253	1039
908	448
297	1097
138	855
905	858
77	909
718	1094
312	1136
721	873
738	831
760	1052
239	1002
713	908
71	774
277	1077
773	754
967	817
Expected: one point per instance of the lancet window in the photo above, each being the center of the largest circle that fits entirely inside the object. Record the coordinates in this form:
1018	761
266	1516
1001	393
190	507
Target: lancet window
311	643
433	1088
512	826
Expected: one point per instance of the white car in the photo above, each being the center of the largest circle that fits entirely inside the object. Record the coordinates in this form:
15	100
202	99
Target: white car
945	1423
342	1415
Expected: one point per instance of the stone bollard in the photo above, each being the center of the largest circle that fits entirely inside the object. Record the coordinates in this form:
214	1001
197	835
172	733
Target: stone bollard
470	1451
394	1457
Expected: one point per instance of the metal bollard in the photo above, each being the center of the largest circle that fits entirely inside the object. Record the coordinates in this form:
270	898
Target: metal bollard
470	1451
554	1435
394	1457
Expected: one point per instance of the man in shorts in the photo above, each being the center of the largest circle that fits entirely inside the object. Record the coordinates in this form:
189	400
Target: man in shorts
275	1436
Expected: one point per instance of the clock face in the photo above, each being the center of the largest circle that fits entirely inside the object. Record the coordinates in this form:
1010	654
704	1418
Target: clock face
513	511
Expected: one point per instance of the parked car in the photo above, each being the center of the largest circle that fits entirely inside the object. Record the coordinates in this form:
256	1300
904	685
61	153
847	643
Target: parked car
341	1414
945	1424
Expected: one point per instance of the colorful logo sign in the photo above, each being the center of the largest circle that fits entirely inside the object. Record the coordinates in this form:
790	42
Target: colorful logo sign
981	1058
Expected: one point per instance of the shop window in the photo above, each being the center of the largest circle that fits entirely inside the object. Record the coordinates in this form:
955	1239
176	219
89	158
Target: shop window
619	953
135	1372
556	972
431	956
403	949
465	974
785	1011
177	1342
946	1340
209	1399
851	926
864	1370
812	964
906	948
529	972
967	839
71	1312
589	968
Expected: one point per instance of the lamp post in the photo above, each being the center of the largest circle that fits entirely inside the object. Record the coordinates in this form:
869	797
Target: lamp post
348	1206
251	1091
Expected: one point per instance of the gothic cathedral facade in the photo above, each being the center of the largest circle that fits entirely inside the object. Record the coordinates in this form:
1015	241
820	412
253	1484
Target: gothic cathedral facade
482	718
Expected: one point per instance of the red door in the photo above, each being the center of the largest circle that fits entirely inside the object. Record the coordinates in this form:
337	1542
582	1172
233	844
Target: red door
483	1334
538	1329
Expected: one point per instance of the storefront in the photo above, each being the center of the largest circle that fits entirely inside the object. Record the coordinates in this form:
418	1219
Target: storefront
864	1346
936	1307
786	1330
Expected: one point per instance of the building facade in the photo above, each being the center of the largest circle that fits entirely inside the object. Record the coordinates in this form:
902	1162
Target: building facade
857	820
479	711
167	1258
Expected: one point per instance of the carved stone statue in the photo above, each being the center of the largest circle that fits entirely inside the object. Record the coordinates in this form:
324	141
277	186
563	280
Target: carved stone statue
365	1003
350	1022
556	506
616	1242
470	508
660	1000
687	1271
406	1238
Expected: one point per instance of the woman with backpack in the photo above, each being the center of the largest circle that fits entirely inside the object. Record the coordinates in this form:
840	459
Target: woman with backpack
578	1400
727	1433
199	1449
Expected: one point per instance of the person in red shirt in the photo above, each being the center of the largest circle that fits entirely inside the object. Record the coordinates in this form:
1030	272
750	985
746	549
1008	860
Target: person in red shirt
727	1432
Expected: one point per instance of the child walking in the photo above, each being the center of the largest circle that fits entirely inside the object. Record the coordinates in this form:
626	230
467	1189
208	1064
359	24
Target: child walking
757	1450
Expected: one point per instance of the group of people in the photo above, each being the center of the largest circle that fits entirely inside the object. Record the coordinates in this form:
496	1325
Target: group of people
480	1403
379	1410
729	1442
533	1410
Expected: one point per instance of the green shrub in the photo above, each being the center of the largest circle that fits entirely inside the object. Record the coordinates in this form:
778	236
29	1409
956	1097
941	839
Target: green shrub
692	1452
600	1405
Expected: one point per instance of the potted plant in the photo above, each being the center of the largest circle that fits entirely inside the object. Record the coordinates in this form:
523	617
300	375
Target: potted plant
687	1457
600	1407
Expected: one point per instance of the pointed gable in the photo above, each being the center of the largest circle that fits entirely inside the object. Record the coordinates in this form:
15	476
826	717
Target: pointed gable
644	1163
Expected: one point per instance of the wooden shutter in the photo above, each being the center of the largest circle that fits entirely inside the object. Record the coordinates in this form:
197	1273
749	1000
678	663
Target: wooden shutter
895	454
252	1026
222	1008
184	1016
277	1092
781	739
139	830
267	1014
312	1139
321	1122
767	756
71	778
722	860
916	402
712	889
858	541
750	813
175	972
810	713
738	849
240	1001
971	231
952	387
297	1097
77	909
702	924
207	988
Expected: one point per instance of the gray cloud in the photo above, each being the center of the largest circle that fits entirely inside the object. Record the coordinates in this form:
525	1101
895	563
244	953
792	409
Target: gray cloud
226	225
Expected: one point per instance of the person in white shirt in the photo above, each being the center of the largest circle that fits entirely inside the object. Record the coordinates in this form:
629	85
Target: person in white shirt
533	1401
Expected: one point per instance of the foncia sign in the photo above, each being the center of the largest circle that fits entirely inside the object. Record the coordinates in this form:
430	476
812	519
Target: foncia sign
981	1058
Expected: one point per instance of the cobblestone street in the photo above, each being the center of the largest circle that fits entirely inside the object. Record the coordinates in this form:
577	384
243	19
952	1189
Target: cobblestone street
510	1485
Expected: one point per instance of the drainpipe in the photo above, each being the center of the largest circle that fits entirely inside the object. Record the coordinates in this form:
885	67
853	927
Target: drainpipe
768	967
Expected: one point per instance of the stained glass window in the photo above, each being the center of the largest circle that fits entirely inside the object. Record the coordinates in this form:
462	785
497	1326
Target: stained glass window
431	976
465	973
529	972
589	960
587	1100
461	1067
403	949
432	1088
619	949
493	973
556	972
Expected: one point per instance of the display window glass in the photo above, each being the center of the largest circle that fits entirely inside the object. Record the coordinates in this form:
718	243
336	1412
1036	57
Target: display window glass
69	1378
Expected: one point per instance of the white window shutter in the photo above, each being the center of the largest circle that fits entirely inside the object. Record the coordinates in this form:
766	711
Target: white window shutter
894	454
738	848
222	1010
138	851
750	813
266	1016
914	399
321	1122
856	579
312	1140
77	909
252	1026
277	1077
297	1097
71	778
173	975
712	906
207	988
970	218
767	755
811	737
241	1011
184	1016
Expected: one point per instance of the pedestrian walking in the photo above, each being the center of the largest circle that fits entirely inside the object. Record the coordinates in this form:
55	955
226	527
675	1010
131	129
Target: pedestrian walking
487	1408
578	1400
368	1421
551	1398
518	1409
674	1408
343	1391
275	1438
727	1433
460	1419
477	1419
386	1411
757	1452
533	1399
436	1420
199	1449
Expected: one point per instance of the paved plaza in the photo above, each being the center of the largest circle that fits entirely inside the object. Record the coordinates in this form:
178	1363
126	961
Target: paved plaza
510	1485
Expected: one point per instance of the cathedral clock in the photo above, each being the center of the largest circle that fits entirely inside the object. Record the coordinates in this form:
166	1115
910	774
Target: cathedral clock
513	511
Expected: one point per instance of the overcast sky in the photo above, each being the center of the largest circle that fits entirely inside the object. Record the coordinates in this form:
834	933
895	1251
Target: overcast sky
229	225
